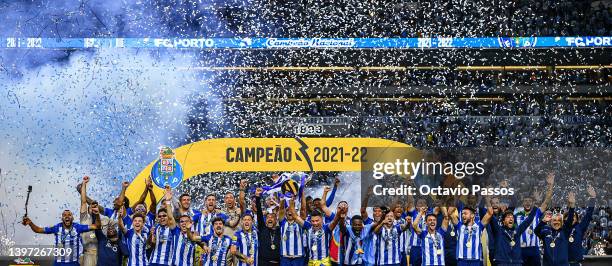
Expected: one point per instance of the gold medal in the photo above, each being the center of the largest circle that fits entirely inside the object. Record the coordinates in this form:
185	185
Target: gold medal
314	248
452	233
92	236
571	239
512	243
273	247
438	251
552	244
60	245
359	251
214	258
529	231
284	238
468	244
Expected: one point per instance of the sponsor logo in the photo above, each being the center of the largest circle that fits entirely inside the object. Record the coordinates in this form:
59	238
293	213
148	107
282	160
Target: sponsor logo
508	42
588	41
309	43
184	43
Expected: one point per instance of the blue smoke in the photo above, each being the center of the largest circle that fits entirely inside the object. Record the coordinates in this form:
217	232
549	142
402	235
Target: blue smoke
102	113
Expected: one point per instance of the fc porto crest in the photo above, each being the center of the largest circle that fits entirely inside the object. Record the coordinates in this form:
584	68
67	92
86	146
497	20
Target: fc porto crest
167	171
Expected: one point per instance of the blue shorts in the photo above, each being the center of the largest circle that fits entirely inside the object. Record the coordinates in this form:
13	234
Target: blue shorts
292	261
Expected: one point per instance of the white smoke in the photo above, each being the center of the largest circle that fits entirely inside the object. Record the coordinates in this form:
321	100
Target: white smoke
101	114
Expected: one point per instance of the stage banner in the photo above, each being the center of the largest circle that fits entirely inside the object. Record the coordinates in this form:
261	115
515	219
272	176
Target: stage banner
263	155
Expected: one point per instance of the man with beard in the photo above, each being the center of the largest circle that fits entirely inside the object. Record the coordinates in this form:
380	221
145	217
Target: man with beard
576	250
353	238
432	239
530	243
388	239
184	243
217	245
469	246
245	243
505	236
109	251
269	235
556	235
162	235
208	214
183	207
67	236
233	210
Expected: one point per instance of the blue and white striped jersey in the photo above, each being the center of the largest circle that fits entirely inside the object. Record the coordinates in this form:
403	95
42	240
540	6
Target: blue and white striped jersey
293	239
529	238
219	248
136	245
318	241
164	245
247	244
204	222
69	239
432	247
184	250
353	251
469	246
388	245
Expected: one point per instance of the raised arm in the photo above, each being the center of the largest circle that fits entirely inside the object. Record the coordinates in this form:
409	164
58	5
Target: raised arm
586	219
550	181
242	196
445	218
417	220
97	224
124	186
485	220
364	204
454	215
571	202
334	222
281	209
303	212
329	201
291	210
143	195
88	199
258	209
324	207
153	205
84	194
168	206
97	218
121	215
